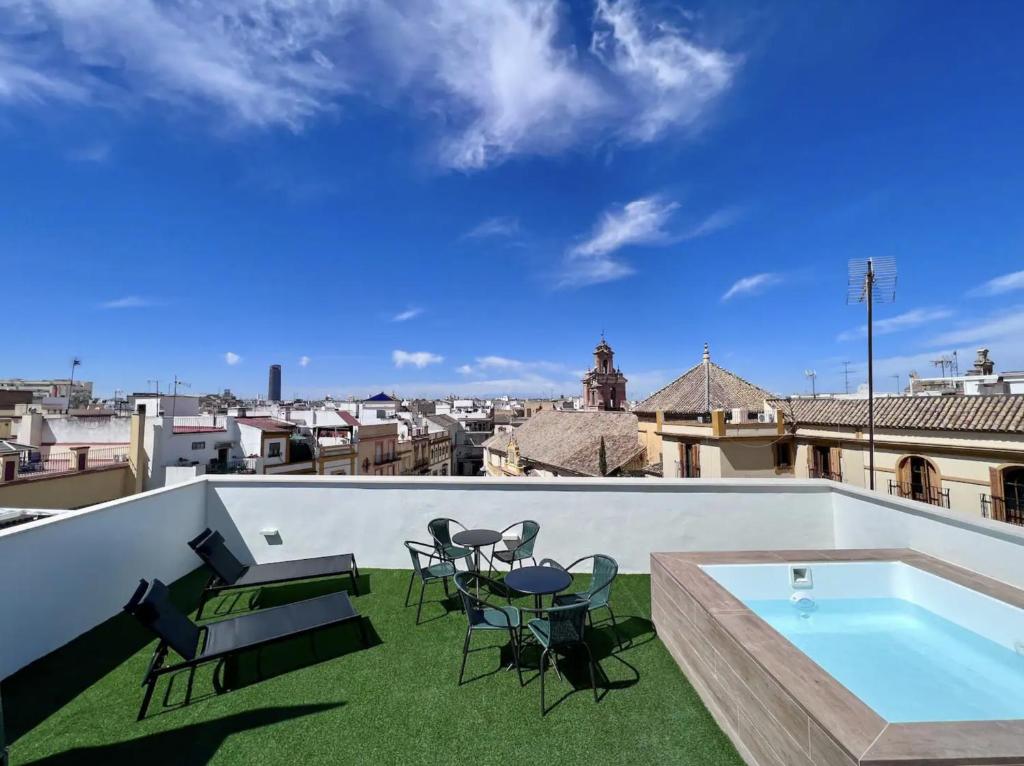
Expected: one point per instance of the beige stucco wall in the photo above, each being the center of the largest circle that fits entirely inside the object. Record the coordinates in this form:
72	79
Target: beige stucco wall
745	459
646	427
965	472
69	491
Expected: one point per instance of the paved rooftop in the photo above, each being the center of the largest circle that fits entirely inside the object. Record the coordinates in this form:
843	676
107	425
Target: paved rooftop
397	702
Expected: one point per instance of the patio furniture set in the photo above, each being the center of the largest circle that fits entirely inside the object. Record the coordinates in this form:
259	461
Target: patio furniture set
555	628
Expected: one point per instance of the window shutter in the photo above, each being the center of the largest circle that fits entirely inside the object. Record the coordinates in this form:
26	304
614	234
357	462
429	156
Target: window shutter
835	456
695	456
995	481
903	472
810	459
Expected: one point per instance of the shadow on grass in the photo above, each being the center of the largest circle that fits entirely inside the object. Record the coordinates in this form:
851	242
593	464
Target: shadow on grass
195	743
237	602
39	690
256	665
607	644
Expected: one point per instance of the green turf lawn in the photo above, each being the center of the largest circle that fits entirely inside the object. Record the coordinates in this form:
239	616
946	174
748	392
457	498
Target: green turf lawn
396	702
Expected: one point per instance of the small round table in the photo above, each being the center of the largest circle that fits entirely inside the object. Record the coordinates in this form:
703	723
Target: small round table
538	581
476	539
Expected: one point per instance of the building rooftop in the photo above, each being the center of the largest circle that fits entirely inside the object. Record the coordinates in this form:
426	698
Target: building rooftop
266	424
570	441
1000	413
72	662
689	393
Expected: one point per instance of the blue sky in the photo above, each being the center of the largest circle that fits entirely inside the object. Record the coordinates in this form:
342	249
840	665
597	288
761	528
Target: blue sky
437	197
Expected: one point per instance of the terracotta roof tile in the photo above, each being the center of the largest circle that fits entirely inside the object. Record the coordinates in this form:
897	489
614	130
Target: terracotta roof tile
1002	413
687	394
571	440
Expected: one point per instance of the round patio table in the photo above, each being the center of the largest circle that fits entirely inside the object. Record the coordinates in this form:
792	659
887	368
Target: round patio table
538	581
476	539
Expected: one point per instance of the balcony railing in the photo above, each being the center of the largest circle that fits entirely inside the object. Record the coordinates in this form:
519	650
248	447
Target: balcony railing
63	460
687	472
385	459
931	495
817	473
241	465
199	424
995	507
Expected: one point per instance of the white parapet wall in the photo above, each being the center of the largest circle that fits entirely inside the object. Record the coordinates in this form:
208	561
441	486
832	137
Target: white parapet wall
625	518
66	574
865	519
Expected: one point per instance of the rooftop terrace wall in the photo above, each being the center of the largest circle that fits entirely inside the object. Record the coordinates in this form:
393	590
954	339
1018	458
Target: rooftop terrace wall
65	575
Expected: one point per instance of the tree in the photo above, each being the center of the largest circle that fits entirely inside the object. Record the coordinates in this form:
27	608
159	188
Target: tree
602	460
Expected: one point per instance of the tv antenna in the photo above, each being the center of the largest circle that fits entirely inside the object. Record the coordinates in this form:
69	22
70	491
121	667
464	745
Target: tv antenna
174	399
812	376
846	376
871	280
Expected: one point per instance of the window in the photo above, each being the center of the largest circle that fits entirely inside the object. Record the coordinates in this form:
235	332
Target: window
274	449
378	452
198	445
783	455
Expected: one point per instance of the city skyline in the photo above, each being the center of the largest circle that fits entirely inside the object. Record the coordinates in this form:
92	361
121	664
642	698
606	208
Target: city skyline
205	203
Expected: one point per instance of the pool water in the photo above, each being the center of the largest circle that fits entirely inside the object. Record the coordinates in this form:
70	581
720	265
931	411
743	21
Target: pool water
904	661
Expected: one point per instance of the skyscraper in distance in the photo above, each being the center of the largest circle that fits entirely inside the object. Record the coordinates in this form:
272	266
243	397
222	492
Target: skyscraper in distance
274	383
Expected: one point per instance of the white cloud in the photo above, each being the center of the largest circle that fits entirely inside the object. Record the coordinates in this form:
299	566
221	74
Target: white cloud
898	323
1004	284
752	285
98	153
419	359
232	358
497	77
1005	328
671	80
405	316
640	222
501	226
304	361
529	370
129	302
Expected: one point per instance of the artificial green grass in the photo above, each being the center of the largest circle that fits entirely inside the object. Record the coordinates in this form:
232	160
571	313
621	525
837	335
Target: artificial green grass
396	702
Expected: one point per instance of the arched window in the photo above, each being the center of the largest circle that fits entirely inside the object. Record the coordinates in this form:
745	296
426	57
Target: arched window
1013	494
919	479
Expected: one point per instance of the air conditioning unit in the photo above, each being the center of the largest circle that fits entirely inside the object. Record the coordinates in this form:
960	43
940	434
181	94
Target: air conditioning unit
766	417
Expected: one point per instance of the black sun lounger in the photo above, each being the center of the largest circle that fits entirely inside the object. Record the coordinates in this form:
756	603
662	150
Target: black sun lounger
229	572
151	605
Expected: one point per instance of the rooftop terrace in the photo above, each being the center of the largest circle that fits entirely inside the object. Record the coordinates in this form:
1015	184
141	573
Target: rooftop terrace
72	663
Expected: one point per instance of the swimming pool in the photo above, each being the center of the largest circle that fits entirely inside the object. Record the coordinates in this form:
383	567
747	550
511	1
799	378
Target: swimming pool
911	645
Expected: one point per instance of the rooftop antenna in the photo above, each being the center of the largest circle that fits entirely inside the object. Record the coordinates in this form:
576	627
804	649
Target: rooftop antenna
812	376
942	363
897	376
846	376
75	362
870	280
174	399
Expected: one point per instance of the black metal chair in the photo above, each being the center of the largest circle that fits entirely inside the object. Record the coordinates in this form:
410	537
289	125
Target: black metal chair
441	533
604	570
151	605
520	548
561	628
481	615
230	573
432	572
